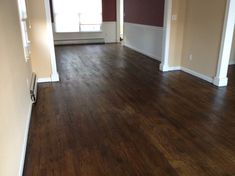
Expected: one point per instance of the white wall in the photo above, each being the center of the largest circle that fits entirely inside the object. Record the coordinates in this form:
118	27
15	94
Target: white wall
108	35
15	104
145	39
109	32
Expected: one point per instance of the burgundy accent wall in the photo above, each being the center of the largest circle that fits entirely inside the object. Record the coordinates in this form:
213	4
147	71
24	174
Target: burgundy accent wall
109	10
147	12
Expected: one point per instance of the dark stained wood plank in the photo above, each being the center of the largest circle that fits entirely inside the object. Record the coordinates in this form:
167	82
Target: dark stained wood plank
114	114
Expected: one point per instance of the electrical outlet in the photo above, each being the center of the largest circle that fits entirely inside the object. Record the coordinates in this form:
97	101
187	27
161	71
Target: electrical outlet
190	57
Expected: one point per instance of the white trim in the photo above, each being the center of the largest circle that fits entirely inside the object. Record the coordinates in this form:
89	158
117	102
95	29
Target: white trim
166	36
108	35
118	9
177	68
232	62
51	41
226	45
109	31
163	67
146	26
55	77
23	154
142	52
44	80
24	32
199	75
220	82
191	72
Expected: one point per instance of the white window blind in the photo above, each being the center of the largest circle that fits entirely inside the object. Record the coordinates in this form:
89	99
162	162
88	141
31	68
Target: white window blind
77	15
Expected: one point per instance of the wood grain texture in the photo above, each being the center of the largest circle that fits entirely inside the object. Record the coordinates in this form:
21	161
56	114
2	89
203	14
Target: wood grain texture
115	114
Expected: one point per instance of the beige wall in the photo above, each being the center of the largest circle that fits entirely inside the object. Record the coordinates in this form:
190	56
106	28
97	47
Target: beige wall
203	32
177	32
232	57
38	34
14	92
198	34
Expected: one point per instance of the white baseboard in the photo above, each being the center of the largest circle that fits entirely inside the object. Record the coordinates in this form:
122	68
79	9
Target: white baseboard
109	29
107	35
220	82
21	169
53	78
174	68
199	75
142	51
44	80
232	62
165	68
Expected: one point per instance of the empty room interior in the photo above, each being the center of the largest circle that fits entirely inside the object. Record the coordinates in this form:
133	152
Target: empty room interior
117	88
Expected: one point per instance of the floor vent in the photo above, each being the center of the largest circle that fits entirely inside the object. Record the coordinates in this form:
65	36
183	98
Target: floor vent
33	88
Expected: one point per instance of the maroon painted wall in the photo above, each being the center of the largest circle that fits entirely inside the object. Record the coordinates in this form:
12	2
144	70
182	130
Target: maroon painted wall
109	10
147	12
108	7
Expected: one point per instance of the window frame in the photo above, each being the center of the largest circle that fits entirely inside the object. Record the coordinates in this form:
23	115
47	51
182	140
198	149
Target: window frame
79	25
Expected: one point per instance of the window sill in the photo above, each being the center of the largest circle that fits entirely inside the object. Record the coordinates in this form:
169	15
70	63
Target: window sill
79	32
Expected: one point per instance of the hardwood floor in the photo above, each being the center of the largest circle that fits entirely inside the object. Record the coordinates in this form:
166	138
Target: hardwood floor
114	114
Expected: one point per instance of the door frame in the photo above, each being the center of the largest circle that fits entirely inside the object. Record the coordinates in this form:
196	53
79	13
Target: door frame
118	19
166	36
220	78
54	74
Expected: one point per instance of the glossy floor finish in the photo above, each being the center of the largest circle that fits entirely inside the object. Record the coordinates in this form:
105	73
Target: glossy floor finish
115	114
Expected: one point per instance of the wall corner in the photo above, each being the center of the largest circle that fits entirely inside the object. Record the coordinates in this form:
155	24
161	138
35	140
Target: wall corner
55	77
220	82
164	67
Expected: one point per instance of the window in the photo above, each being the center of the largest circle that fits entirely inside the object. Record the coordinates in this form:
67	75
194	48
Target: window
24	28
77	15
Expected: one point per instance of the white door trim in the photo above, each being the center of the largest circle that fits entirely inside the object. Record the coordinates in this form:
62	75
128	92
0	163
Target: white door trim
118	10
221	78
54	75
166	36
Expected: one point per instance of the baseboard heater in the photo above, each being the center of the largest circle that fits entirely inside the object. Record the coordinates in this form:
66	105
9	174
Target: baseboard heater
33	88
79	41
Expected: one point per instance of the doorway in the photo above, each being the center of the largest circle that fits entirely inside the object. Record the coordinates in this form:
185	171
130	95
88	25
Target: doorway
121	19
217	76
